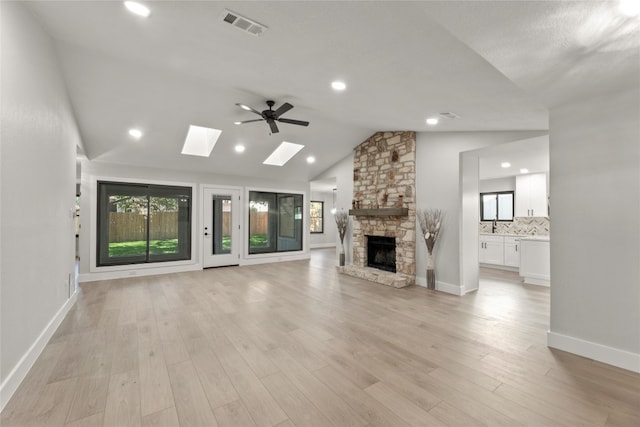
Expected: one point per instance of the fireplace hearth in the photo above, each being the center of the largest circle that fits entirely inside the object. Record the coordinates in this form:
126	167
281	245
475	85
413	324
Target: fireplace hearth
381	253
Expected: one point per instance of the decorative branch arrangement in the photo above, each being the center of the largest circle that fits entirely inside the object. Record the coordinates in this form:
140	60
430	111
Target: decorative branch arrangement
342	221
430	221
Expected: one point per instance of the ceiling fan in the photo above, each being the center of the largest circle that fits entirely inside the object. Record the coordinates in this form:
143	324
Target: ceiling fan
271	116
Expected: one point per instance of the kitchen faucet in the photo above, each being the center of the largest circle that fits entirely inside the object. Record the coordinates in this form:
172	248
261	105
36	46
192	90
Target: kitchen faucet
494	224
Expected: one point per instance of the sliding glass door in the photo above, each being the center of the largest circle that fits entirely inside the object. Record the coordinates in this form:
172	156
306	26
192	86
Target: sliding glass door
275	222
140	223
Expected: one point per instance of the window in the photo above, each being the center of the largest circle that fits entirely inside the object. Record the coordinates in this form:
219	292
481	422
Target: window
316	217
496	206
140	223
275	222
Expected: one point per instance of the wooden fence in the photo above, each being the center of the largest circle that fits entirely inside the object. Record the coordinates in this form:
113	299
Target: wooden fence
131	226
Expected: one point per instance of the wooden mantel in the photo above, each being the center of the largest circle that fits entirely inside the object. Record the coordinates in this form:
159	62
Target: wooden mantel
380	212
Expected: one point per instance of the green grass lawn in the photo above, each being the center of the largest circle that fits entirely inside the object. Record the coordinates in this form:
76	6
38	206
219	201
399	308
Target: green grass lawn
170	246
156	247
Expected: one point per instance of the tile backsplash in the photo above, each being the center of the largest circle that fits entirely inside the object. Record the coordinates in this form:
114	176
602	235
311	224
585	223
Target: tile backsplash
538	226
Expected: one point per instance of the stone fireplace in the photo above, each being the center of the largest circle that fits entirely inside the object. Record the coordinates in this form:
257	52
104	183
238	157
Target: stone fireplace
381	253
384	206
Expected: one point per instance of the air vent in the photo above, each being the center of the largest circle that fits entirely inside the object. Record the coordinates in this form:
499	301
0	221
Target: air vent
245	24
449	115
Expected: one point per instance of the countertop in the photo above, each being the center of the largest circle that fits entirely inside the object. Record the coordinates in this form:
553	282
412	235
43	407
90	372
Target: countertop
521	236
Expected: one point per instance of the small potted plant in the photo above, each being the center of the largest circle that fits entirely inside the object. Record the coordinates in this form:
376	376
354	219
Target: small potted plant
342	221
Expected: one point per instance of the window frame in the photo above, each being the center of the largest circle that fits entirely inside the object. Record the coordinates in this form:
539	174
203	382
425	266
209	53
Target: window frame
274	215
150	190
513	205
311	217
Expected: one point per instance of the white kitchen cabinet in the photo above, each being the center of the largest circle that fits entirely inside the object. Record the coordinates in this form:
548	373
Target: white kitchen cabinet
531	195
535	261
512	251
491	250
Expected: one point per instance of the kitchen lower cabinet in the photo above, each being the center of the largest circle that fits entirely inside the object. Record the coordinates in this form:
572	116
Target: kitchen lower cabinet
535	261
491	250
512	251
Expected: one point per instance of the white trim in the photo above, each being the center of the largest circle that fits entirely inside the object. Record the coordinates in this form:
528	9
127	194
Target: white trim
20	371
442	286
144	270
275	257
529	280
322	245
500	267
602	353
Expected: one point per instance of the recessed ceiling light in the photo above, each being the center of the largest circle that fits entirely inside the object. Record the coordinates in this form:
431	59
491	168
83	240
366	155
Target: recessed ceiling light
239	148
283	153
505	165
244	107
311	159
135	133
629	7
432	121
200	141
524	170
338	85
137	8
237	123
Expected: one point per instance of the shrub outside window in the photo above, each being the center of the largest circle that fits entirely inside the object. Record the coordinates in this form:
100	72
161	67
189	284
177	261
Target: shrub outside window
316	217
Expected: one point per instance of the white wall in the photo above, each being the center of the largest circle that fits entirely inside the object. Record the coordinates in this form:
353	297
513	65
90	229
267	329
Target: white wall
328	237
342	171
438	186
92	171
37	169
498	184
595	217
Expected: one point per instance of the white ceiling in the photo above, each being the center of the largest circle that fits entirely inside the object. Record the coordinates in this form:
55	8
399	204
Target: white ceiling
532	154
402	62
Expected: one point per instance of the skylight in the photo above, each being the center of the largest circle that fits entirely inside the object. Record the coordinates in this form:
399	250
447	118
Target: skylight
200	141
283	153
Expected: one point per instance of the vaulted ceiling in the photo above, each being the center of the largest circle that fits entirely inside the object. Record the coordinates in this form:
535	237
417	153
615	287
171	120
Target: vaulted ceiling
498	65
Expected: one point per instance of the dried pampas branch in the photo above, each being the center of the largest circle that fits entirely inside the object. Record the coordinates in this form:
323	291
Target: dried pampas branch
342	221
430	222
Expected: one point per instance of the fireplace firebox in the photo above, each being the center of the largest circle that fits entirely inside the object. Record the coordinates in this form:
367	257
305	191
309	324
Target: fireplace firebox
381	253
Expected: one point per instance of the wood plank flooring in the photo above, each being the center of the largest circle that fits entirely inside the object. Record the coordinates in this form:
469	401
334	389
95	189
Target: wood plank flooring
297	344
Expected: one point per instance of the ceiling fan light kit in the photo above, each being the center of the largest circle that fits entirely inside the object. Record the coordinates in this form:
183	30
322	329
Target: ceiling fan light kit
271	116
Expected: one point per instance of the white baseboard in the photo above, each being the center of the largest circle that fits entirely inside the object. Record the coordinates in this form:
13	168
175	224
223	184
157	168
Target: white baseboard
441	286
322	245
602	353
19	372
136	272
273	258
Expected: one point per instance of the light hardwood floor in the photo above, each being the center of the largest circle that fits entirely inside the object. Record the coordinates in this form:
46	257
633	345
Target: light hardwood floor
296	344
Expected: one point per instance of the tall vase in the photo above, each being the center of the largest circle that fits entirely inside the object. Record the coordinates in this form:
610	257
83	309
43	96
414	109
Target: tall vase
431	274
342	257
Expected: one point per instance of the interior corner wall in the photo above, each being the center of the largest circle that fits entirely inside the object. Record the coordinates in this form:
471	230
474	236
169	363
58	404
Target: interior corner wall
595	217
342	171
37	168
438	186
328	236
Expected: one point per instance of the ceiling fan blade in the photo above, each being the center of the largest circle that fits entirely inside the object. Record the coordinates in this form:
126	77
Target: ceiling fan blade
273	126
283	109
294	122
249	121
246	107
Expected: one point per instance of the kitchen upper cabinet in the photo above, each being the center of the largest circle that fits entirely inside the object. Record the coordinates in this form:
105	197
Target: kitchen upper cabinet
531	195
512	251
491	250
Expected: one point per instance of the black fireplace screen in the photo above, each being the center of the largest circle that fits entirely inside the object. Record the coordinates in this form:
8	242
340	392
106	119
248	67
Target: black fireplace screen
381	253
